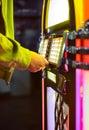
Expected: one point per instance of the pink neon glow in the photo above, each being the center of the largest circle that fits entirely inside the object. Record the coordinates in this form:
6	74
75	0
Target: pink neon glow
77	100
79	93
86	99
82	99
86	88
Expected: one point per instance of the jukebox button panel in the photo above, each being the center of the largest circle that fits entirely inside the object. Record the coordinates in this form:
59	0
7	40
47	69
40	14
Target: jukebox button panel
43	47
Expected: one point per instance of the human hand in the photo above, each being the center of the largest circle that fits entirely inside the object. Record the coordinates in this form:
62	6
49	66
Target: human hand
37	63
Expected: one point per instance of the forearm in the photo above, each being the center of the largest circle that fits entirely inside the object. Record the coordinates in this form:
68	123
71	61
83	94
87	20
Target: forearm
12	54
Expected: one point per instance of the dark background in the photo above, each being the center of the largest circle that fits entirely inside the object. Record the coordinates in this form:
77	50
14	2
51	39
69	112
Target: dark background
20	103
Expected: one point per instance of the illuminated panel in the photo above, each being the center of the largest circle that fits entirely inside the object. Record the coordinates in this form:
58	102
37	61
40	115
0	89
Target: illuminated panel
51	76
82	99
79	109
82	90
86	99
57	12
56	49
53	108
86	89
43	47
51	99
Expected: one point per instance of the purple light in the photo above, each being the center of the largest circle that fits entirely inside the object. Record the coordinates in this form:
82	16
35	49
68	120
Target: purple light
78	72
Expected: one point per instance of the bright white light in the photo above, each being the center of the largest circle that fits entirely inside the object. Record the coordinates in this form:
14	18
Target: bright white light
58	12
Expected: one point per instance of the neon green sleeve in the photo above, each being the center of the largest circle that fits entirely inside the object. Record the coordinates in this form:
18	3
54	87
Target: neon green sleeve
12	52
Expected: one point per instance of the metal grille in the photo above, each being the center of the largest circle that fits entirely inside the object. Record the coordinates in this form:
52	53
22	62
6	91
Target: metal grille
61	113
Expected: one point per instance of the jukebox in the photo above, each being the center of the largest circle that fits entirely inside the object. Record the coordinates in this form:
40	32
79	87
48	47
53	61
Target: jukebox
64	42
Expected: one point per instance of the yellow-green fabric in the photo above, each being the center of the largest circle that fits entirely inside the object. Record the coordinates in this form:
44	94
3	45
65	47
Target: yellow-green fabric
7	13
11	50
